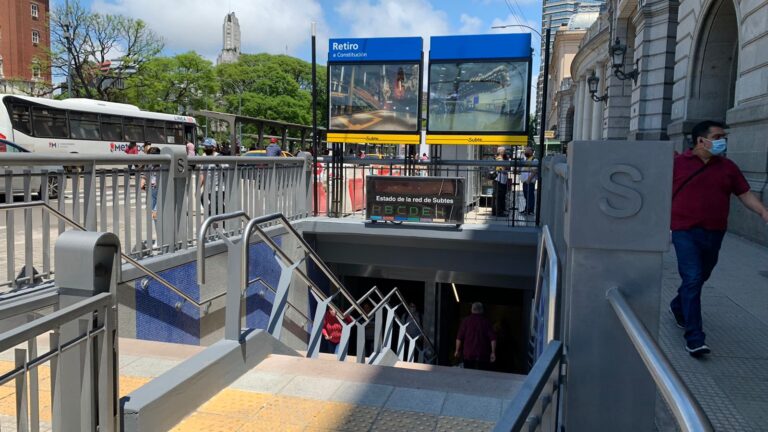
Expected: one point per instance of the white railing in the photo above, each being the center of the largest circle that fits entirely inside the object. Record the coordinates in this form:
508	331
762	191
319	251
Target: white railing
105	193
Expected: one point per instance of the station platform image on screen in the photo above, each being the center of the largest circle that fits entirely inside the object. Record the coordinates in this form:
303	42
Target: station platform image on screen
479	88
375	87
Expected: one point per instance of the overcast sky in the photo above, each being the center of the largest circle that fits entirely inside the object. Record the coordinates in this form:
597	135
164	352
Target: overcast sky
283	26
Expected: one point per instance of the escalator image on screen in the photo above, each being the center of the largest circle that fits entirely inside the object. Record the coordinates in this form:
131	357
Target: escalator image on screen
374	97
478	97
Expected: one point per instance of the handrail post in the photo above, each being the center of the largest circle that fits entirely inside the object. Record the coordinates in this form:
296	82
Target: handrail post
86	265
173	184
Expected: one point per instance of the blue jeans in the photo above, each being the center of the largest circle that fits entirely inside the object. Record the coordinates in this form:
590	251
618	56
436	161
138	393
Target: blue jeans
697	250
529	192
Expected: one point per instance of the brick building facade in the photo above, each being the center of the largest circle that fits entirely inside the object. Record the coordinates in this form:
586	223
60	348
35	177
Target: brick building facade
24	43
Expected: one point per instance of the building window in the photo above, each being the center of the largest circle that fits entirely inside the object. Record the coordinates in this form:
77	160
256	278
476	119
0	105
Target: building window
35	37
35	10
36	71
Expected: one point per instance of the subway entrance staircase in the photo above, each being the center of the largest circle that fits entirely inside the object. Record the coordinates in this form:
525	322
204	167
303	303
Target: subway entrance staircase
251	380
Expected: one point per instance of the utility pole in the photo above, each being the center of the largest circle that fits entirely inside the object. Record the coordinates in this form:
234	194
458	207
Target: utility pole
315	141
68	39
543	119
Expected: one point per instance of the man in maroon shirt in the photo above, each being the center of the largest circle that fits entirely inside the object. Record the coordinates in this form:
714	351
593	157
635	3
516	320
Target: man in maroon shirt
478	339
702	184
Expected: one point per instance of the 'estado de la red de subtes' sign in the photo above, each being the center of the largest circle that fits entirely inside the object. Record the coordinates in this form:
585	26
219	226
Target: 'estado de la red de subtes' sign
415	199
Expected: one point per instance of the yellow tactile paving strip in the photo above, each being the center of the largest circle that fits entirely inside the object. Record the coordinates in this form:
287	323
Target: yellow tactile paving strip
8	391
244	411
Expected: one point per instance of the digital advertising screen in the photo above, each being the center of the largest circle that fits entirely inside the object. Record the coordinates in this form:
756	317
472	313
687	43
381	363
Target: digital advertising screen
485	97
378	97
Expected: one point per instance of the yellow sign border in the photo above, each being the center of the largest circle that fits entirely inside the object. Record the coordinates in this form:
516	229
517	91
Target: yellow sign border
477	139
363	138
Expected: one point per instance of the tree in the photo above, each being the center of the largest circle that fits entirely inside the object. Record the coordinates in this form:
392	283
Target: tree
275	87
173	85
99	51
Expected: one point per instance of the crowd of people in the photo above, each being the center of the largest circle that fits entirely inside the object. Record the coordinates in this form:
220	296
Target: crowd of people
525	173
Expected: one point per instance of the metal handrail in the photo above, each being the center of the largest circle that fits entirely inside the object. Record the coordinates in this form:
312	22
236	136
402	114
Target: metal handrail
686	409
133	262
24	332
546	245
253	225
201	239
553	275
516	416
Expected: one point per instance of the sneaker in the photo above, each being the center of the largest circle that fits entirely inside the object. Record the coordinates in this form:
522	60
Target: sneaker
698	351
678	319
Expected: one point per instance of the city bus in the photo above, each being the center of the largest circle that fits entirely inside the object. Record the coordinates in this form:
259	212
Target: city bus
87	126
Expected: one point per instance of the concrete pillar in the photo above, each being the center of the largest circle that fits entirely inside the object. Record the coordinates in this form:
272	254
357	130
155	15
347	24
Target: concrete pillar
597	108
576	109
616	231
586	104
654	45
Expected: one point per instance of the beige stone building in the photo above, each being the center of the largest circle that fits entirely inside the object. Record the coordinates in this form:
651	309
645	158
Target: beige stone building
684	61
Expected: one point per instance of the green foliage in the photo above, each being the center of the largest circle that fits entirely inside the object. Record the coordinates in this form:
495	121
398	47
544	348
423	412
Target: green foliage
173	85
274	87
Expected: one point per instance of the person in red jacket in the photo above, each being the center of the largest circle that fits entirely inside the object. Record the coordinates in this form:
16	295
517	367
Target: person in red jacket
331	332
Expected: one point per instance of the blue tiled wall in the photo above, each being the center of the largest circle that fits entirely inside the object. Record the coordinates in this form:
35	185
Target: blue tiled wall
157	318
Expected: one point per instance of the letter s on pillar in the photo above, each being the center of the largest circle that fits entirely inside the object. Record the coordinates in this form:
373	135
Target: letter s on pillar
632	200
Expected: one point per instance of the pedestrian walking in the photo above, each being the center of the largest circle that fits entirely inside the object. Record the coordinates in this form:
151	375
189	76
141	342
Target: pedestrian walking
152	174
528	177
211	181
500	178
190	149
273	149
476	340
703	182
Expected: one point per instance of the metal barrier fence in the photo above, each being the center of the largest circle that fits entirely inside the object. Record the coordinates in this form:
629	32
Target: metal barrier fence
154	203
348	310
342	192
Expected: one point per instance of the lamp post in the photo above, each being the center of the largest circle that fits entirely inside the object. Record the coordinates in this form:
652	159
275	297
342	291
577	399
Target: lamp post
618	51
315	141
543	114
593	81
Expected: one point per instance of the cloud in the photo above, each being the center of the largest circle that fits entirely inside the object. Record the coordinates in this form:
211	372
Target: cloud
471	24
372	18
197	24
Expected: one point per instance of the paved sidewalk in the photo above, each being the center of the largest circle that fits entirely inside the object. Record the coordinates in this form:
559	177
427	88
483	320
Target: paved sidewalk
732	383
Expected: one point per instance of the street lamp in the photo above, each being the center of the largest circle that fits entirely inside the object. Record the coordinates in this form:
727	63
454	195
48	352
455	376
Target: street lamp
618	51
593	82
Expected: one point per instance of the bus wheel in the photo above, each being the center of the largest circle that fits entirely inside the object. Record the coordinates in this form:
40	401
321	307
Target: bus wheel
53	188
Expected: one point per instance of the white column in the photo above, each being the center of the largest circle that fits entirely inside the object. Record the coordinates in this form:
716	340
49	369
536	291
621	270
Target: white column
586	123
597	108
577	110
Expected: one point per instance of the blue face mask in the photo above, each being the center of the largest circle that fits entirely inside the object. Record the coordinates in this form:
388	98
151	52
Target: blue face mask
718	146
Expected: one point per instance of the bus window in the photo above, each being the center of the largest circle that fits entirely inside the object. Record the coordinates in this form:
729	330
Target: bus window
84	126
175	133
189	133
49	123
156	131
20	119
111	128
134	129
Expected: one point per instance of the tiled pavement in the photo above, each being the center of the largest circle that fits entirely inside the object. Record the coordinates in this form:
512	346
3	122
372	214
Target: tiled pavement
732	383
